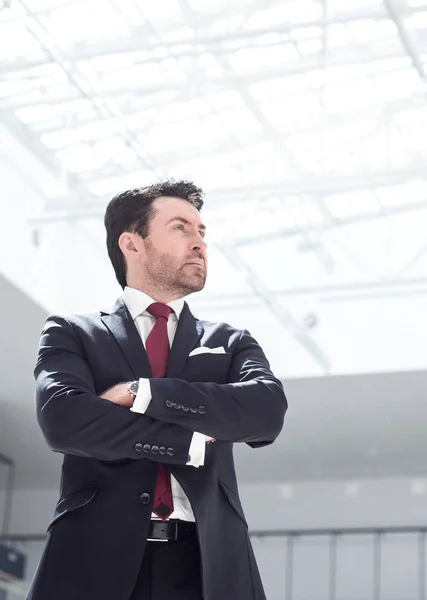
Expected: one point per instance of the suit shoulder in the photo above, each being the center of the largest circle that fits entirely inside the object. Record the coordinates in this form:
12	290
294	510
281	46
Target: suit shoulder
221	326
81	320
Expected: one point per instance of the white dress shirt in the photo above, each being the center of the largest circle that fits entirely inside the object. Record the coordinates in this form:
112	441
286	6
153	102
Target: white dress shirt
137	303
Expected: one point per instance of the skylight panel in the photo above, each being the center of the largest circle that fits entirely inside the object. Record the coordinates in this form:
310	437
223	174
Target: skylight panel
43	5
410	116
207	4
352	203
279	87
160	11
336	7
369	30
80	158
414	137
409	192
292	11
416	22
131	11
43	112
16	40
247	59
14	87
181	33
306	33
283	111
85	20
351	94
388	64
13	11
113	185
61	138
226	25
397	84
310	47
112	62
338	35
224	99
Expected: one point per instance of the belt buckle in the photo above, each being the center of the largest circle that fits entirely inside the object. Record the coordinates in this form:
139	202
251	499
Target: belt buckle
168	525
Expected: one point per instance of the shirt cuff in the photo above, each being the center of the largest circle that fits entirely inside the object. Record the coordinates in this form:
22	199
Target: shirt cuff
197	450
143	397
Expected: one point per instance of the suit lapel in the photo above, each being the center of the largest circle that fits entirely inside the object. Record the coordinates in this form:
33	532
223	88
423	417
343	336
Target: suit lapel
188	333
120	324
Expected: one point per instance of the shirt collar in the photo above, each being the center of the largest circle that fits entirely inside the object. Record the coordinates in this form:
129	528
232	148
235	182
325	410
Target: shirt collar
137	302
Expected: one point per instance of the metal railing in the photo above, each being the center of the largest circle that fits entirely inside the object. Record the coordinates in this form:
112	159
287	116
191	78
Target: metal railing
374	539
377	537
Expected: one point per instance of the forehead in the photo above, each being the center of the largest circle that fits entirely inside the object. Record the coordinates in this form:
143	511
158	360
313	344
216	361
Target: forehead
168	207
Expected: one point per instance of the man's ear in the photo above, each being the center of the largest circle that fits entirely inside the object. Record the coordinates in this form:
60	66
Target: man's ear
129	245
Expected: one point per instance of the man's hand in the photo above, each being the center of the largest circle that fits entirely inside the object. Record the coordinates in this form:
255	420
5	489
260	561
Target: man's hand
209	439
119	394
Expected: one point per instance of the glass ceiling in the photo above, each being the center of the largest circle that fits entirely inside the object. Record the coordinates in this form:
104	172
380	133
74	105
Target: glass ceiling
303	120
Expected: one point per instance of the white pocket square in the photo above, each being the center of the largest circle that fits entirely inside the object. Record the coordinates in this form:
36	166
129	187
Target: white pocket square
206	350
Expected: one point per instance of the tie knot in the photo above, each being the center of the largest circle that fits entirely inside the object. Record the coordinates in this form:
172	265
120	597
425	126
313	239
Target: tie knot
157	309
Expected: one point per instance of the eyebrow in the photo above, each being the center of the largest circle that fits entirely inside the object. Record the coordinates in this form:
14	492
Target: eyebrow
185	221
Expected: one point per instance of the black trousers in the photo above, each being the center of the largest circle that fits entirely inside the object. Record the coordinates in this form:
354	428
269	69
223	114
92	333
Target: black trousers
169	571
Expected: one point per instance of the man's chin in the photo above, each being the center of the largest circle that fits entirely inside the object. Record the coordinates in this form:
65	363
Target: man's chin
195	286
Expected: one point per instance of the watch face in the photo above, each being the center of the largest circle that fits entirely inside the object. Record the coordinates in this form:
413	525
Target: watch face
133	388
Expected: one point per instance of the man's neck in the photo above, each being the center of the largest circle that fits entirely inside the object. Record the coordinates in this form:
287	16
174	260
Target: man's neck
157	295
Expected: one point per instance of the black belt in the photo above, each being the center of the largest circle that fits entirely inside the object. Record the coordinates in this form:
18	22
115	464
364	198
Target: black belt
172	531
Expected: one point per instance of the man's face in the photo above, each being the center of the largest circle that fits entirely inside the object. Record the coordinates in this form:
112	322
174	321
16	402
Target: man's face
174	252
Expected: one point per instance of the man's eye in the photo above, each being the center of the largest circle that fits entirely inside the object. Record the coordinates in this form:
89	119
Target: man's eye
181	227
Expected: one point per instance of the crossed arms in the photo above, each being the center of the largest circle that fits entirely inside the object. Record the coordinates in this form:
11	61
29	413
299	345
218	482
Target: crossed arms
75	420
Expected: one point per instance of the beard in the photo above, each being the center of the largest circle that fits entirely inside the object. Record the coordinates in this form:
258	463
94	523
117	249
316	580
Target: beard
168	274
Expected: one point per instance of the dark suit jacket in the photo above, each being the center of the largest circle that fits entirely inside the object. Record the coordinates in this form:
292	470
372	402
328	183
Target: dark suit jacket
98	533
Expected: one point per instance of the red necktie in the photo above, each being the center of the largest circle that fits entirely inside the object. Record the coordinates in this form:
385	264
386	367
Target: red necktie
157	346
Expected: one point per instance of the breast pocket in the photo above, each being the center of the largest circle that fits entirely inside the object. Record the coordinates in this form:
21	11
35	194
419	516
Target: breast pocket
208	367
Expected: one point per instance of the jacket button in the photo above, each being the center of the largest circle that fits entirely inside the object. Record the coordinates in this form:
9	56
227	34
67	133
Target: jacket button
170	451
202	410
145	498
154	449
193	408
162	450
138	447
169	403
147	448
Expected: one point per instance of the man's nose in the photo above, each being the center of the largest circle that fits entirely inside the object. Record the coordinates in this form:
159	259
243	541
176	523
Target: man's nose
199	244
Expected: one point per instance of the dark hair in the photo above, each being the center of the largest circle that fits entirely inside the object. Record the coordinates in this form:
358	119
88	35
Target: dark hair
132	211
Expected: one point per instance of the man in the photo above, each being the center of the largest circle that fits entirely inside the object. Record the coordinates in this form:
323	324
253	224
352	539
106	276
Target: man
145	402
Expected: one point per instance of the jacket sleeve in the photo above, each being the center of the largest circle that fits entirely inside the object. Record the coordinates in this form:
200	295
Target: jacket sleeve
251	408
75	420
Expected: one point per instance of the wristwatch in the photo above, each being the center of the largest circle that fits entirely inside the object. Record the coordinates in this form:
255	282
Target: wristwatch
133	389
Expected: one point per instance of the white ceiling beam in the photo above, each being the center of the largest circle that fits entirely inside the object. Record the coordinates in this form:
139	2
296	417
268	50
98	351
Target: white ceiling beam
94	207
202	84
284	316
83	85
283	232
407	44
135	41
168	160
395	286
